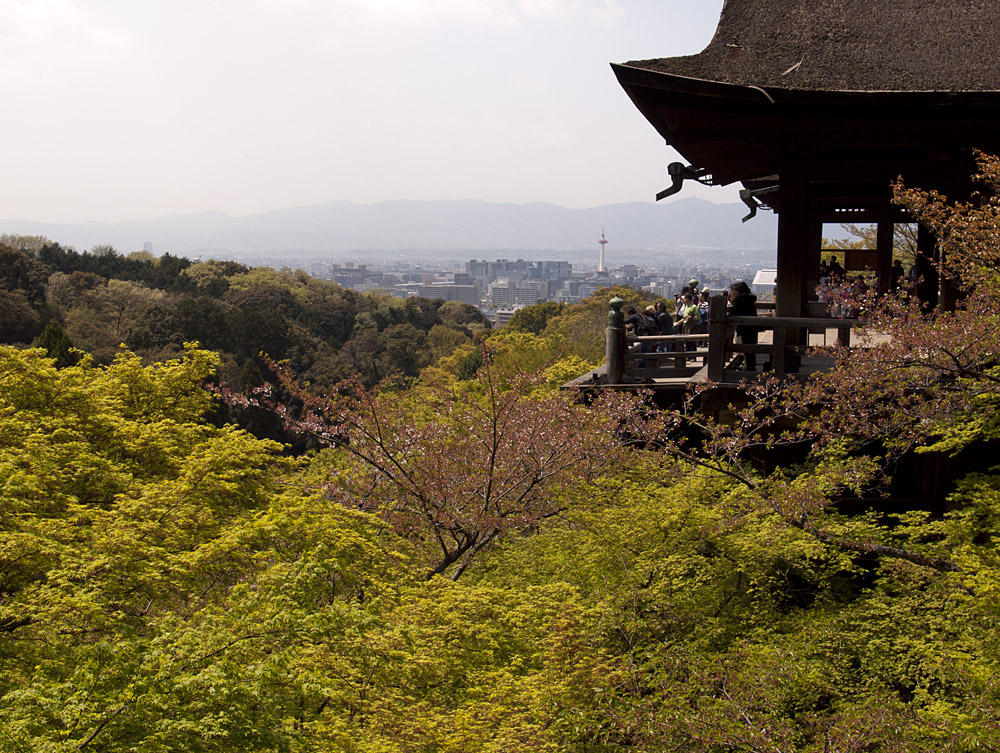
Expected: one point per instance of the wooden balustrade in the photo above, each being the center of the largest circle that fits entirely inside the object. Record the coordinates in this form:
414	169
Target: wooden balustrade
627	363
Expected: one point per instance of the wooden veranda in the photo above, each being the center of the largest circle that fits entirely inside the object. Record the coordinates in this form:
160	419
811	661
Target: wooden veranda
787	347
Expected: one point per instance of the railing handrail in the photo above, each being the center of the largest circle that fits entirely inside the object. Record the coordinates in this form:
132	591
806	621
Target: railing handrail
772	322
665	338
719	335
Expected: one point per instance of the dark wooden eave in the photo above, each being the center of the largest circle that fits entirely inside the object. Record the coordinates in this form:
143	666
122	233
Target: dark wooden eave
742	133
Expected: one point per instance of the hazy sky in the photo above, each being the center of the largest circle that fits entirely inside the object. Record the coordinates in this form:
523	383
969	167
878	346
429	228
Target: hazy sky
130	109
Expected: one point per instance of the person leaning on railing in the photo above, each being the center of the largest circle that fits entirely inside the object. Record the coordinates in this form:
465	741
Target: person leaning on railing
641	325
652	323
744	303
635	324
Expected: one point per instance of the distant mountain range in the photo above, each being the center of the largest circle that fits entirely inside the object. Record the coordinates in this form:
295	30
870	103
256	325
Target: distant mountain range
448	227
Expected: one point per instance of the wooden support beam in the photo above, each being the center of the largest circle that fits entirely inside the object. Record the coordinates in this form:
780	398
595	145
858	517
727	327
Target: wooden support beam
799	235
718	337
927	273
779	353
793	240
813	251
615	348
884	240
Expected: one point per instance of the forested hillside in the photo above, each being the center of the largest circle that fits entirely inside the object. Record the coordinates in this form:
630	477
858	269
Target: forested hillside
152	305
472	559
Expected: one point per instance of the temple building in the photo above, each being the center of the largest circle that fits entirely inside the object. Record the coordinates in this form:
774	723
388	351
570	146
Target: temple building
817	107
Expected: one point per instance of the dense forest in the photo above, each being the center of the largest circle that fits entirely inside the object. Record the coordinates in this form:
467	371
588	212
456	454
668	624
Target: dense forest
465	557
100	301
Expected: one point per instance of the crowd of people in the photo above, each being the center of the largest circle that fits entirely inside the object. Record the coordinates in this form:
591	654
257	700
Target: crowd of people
845	293
690	316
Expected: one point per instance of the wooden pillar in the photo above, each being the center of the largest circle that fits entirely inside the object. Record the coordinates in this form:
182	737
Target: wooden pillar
959	189
927	273
884	241
793	240
718	338
614	353
950	294
781	360
796	234
814	254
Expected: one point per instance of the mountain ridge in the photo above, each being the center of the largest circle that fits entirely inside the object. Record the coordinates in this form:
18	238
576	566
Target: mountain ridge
338	227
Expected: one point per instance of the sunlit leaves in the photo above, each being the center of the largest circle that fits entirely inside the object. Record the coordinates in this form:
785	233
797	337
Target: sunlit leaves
157	582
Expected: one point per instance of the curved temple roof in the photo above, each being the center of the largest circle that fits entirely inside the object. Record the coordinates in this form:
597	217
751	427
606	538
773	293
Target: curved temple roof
849	45
885	81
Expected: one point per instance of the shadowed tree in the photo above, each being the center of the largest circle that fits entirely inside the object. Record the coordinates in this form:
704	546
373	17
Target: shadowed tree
465	315
55	342
19	322
20	270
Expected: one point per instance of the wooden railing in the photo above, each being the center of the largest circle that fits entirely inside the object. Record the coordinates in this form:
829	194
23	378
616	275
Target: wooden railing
629	360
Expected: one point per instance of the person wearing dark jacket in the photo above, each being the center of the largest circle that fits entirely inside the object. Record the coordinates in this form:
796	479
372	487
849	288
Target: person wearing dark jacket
637	324
665	322
744	303
641	325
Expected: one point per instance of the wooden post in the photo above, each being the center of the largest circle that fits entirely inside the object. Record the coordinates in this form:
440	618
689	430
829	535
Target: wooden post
885	236
927	286
960	187
717	338
799	235
614	353
793	240
779	362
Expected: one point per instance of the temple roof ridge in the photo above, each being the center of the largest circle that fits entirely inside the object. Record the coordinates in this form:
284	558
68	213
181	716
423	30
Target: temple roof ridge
849	46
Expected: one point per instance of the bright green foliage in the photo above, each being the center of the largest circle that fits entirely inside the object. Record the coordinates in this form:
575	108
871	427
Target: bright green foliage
157	582
167	585
728	629
165	588
479	667
513	353
567	369
442	341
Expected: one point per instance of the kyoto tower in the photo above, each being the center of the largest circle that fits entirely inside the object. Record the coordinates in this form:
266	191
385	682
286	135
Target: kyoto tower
603	241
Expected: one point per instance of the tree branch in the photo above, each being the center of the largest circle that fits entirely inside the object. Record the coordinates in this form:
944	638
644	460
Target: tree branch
867	547
10	624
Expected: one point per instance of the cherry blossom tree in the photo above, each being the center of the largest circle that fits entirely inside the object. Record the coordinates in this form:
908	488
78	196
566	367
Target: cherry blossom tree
454	468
